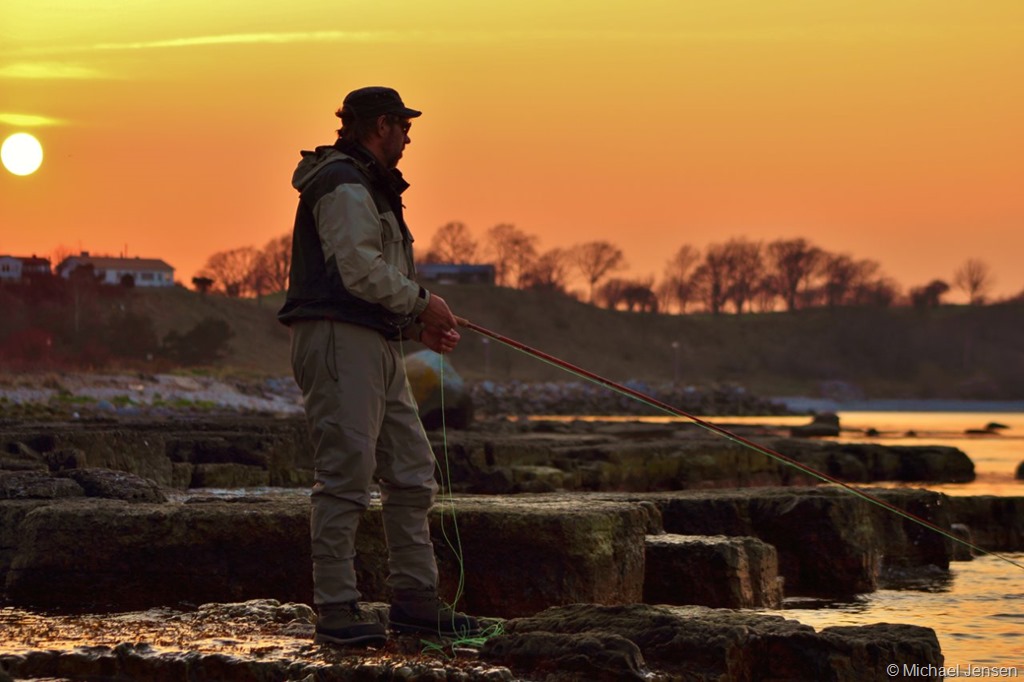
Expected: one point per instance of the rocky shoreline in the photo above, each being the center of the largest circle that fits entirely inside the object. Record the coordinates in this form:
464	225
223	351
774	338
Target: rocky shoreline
177	529
138	518
583	586
83	395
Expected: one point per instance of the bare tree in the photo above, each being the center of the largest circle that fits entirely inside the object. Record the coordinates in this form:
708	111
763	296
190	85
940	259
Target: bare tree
793	262
233	270
594	260
709	280
453	243
729	272
975	278
765	295
744	266
611	293
513	252
550	272
59	254
275	261
842	276
677	287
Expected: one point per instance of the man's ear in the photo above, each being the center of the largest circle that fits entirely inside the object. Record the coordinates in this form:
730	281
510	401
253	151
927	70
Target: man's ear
382	122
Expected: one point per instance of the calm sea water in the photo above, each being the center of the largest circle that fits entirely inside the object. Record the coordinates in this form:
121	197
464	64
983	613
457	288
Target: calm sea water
977	611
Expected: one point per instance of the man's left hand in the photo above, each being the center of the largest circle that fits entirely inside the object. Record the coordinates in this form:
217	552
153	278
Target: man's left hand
440	341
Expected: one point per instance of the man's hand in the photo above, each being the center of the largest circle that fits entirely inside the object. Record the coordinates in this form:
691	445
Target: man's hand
437	315
439	341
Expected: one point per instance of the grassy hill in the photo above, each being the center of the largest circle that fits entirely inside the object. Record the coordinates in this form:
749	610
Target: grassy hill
949	352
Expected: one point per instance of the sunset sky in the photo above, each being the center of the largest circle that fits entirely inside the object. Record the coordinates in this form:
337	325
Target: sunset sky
888	129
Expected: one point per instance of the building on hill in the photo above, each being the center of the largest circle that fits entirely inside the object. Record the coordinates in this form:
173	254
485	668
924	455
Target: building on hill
23	268
456	273
139	272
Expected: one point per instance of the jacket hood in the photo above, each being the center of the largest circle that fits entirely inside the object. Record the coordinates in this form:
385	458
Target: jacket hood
311	163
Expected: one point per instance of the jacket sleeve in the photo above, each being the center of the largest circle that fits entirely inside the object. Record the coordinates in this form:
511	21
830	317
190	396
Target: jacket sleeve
353	234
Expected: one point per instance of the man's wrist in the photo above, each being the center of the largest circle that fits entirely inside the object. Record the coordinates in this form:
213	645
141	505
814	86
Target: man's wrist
420	303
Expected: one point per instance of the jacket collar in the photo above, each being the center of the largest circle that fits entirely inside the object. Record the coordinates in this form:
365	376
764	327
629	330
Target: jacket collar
391	177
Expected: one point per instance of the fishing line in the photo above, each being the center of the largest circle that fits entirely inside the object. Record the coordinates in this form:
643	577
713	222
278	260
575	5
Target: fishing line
447	497
725	433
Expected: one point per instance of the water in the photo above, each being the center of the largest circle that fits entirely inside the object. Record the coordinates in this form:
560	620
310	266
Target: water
976	610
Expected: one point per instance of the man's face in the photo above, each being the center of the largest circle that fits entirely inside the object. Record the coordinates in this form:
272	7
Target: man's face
396	136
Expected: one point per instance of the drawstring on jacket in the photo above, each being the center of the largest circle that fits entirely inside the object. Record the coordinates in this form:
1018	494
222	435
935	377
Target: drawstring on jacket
332	355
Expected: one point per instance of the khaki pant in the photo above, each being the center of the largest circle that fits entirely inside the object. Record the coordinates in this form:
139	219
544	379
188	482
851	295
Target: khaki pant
365	428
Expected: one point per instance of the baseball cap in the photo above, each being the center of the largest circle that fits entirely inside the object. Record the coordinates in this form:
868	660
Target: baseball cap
375	101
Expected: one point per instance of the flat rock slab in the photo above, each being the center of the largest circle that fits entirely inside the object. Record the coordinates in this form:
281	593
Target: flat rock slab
510	557
490	458
716	571
829	541
697	643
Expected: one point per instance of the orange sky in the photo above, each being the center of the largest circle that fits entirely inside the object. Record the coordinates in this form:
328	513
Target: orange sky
888	129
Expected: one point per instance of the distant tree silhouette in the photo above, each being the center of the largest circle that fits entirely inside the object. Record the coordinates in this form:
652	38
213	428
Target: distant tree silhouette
713	278
275	261
235	271
792	264
595	260
744	268
513	253
975	279
843	277
550	272
453	243
677	287
202	284
928	296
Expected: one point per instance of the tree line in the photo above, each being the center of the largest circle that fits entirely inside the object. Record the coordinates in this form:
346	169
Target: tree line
734	276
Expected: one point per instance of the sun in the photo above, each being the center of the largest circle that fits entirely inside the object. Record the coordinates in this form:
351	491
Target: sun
21	154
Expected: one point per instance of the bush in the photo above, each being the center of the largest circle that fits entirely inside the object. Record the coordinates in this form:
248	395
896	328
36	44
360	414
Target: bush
204	344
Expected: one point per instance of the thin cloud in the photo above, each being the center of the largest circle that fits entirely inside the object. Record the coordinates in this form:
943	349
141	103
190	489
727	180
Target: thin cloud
27	120
257	38
49	71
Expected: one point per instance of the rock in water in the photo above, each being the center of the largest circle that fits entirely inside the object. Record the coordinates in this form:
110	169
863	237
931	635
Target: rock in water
439	391
824	424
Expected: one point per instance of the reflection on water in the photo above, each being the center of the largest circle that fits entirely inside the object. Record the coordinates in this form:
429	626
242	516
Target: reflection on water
996	453
975	610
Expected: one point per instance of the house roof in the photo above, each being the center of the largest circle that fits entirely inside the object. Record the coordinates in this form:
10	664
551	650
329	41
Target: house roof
33	260
28	260
105	263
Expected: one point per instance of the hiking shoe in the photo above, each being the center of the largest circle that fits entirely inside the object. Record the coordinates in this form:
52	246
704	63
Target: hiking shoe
424	612
347	625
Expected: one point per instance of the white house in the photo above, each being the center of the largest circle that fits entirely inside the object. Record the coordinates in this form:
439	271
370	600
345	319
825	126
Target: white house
18	268
10	269
140	272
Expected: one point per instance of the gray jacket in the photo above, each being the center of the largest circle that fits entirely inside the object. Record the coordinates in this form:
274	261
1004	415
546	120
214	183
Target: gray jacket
352	258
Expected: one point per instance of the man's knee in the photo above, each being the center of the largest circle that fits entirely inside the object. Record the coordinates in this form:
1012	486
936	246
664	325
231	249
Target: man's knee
419	497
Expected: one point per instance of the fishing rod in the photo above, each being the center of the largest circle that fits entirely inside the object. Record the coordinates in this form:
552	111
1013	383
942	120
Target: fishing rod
725	433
